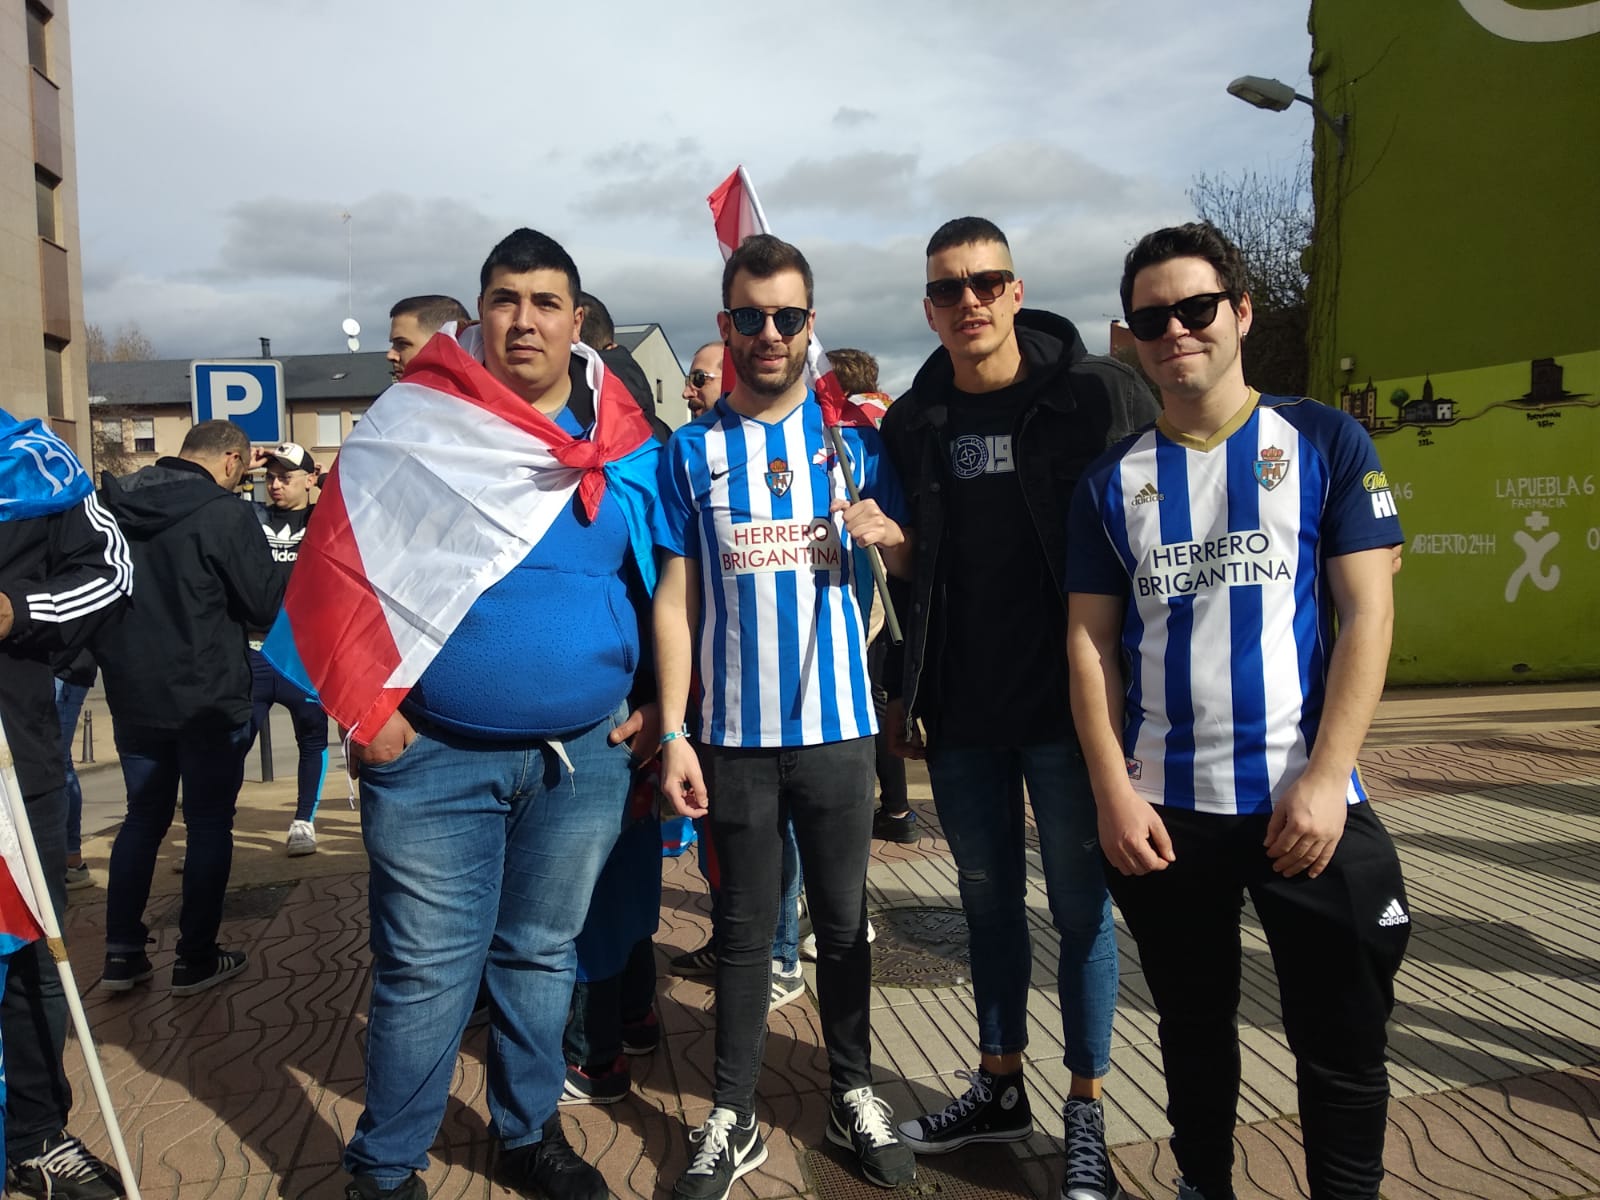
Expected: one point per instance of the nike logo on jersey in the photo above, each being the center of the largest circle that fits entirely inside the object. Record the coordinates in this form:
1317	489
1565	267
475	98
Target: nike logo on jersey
716	475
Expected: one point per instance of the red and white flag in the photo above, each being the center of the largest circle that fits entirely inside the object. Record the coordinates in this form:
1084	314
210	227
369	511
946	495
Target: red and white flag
442	489
737	214
21	920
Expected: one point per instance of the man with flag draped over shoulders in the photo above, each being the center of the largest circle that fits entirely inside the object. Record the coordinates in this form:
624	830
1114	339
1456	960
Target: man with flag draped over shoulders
467	604
64	568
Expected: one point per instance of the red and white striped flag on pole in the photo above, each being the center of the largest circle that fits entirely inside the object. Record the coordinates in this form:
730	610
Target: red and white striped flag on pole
736	212
21	920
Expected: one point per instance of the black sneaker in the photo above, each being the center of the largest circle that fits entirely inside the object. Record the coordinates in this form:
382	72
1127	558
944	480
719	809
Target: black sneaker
696	962
641	1036
1186	1192
1089	1173
994	1108
365	1187
196	975
859	1121
124	969
64	1170
890	827
551	1168
605	1086
725	1150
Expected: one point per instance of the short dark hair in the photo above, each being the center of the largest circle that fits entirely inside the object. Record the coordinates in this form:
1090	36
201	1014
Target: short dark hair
856	370
431	312
1198	239
529	250
598	329
213	439
762	256
965	231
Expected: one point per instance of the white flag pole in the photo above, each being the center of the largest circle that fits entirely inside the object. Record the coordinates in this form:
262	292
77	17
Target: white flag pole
58	950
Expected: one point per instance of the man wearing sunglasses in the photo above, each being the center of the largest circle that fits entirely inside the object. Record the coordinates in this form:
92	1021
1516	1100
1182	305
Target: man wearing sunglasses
703	384
1209	557
762	588
999	423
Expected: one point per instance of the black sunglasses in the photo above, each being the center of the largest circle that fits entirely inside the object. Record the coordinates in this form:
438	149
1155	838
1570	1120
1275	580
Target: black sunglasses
1194	313
750	321
699	378
985	285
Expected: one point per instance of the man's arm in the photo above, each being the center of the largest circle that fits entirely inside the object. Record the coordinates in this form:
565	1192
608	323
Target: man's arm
88	575
677	612
1308	820
249	572
1131	831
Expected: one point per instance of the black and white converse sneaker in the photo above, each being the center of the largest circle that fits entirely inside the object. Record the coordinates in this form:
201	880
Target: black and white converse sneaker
994	1108
724	1150
1089	1174
859	1121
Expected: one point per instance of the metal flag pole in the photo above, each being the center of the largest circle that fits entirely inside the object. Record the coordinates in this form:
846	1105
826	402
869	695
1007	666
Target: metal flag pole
891	622
58	951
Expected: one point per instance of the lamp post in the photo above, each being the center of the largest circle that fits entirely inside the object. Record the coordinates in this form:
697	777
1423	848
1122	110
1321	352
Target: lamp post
1276	95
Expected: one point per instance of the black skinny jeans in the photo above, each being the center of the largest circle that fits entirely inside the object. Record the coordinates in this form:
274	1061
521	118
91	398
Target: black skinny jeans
1336	942
828	791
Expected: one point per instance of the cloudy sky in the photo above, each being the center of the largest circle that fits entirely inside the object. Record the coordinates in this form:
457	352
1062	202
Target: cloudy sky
220	142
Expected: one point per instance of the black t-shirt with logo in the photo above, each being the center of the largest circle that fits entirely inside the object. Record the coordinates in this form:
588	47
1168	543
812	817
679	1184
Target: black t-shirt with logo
284	528
1003	679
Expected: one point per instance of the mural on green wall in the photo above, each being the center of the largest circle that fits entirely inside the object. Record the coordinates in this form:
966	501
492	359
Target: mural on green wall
1496	473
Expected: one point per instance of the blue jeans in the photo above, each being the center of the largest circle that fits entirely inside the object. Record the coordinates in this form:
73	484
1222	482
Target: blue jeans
209	764
268	687
483	857
69	704
977	791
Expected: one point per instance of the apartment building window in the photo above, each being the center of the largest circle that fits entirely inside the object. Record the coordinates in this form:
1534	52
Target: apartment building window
111	432
330	430
144	435
45	185
55	392
38	39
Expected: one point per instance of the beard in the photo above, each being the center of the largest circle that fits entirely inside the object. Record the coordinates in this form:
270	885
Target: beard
744	366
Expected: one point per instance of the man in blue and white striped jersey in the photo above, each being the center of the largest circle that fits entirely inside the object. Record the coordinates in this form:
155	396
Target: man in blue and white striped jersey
1220	717
763	592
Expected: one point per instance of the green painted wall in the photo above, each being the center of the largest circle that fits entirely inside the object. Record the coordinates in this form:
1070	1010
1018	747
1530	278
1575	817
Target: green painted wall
1458	246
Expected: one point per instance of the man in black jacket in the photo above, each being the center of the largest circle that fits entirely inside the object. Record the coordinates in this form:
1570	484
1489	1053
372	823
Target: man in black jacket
996	429
64	568
178	686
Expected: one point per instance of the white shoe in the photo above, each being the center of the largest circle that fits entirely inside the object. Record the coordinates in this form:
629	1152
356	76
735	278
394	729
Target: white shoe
808	944
302	839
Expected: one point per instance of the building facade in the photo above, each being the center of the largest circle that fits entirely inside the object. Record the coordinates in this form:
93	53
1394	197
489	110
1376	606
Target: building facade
1454	313
43	363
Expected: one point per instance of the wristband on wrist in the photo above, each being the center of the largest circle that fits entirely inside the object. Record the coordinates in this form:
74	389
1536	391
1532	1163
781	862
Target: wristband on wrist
673	735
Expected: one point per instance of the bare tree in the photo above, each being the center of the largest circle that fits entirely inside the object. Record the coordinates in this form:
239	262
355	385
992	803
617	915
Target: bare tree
129	345
1269	217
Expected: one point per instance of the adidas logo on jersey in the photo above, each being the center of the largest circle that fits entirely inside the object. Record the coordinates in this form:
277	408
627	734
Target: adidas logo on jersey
1147	495
1394	915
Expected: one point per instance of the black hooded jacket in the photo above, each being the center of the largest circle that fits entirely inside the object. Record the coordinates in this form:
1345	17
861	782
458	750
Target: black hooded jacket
1079	404
174	658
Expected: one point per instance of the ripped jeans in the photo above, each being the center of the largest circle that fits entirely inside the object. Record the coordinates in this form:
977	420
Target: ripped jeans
978	793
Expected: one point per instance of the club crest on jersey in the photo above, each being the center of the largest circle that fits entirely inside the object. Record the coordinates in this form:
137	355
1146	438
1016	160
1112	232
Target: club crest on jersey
1272	468
779	477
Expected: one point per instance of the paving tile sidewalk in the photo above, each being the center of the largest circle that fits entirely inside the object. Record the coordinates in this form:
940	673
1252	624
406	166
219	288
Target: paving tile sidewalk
249	1091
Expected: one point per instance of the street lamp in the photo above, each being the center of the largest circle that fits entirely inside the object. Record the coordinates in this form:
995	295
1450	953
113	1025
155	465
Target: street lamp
1276	95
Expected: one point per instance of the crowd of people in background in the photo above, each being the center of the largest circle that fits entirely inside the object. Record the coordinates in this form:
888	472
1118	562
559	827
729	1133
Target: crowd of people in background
1156	619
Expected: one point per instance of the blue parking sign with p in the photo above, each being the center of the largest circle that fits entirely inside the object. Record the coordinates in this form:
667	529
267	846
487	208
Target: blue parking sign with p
246	391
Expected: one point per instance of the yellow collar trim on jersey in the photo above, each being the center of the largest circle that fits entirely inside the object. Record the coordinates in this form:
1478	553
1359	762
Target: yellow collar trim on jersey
1229	427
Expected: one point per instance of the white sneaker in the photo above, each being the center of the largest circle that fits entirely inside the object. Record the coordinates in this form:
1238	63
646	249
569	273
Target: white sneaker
302	838
808	944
